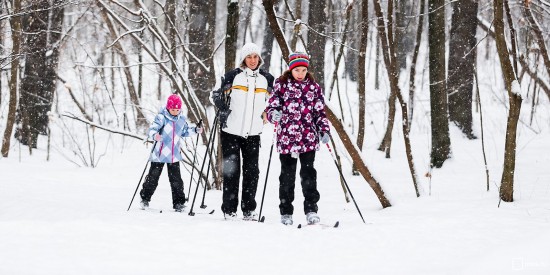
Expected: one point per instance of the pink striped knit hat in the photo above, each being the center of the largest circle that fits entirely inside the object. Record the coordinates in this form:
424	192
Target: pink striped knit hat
298	59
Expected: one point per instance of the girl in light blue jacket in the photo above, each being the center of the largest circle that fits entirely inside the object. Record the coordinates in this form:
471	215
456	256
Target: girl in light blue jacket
168	129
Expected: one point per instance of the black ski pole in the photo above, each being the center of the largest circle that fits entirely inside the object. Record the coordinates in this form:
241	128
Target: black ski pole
203	206
191	213
260	219
344	179
193	163
143	173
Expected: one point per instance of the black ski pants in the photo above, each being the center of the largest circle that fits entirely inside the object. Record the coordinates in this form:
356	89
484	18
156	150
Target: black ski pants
233	147
152	181
308	176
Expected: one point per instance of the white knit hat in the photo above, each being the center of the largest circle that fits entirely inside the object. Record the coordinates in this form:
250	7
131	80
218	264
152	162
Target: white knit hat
248	49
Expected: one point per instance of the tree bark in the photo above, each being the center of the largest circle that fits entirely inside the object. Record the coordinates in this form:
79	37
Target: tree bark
43	31
393	73
202	22
15	23
231	34
361	85
462	56
316	43
412	85
507	181
403	32
441	142
267	48
296	31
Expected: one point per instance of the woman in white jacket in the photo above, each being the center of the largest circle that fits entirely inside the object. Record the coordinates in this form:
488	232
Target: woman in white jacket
241	101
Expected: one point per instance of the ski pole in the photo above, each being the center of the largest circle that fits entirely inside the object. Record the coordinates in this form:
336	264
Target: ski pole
143	173
343	179
267	173
214	126
203	206
194	159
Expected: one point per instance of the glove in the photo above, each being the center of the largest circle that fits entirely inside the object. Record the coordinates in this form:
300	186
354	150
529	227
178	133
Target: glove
224	114
157	137
324	137
275	116
198	130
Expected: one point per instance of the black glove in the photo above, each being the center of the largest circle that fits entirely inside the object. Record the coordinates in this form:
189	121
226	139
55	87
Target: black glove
217	98
223	115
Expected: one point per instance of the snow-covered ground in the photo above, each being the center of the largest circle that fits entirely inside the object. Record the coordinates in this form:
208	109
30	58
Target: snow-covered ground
57	218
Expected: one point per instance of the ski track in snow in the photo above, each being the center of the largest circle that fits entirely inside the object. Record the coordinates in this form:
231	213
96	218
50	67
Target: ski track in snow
59	219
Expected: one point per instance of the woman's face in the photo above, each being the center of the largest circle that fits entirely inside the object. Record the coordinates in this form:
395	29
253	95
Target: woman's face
252	61
299	73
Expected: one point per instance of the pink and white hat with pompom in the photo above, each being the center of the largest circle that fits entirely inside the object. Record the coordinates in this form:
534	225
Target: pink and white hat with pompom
174	102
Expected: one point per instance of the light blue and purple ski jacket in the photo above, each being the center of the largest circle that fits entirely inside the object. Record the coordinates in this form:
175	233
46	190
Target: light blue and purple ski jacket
172	130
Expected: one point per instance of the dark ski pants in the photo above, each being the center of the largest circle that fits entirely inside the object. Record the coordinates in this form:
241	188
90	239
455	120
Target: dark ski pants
152	181
308	176
233	147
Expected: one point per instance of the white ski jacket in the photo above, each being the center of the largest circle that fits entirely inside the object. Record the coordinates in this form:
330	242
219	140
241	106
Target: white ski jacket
247	100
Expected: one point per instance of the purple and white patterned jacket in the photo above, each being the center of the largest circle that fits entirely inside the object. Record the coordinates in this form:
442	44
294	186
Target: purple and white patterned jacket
303	117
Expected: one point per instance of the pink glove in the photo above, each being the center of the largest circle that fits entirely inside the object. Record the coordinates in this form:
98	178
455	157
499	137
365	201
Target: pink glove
198	130
157	137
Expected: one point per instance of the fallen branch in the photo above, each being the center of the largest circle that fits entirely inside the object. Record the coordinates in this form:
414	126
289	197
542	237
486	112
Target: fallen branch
114	131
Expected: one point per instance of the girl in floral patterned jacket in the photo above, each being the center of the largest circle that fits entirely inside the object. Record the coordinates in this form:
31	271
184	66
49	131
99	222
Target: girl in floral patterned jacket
298	106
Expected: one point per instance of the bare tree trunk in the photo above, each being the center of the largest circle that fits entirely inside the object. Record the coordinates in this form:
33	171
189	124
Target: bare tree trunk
412	85
539	35
267	48
377	62
462	54
361	89
275	28
15	23
512	86
352	150
43	32
388	50
316	43
296	31
441	142
201	43
385	145
231	34
352	56
141	121
482	128
172	31
403	32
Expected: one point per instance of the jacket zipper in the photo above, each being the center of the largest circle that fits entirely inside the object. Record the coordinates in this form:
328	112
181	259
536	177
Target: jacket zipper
173	136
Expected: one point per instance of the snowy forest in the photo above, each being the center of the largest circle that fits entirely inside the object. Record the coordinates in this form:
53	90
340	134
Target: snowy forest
439	151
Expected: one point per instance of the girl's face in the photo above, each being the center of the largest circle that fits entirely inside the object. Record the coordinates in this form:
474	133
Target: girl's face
252	61
174	112
299	73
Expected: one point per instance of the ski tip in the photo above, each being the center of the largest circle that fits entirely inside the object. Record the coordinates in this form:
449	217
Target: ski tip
262	219
212	212
337	224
